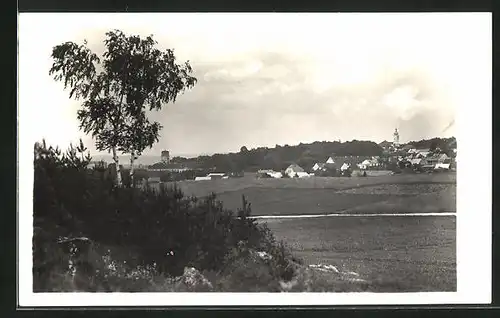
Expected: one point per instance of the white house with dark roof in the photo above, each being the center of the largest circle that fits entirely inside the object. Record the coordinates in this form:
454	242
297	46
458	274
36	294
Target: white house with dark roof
330	160
295	170
317	166
365	164
217	175
422	154
202	178
443	158
345	166
442	166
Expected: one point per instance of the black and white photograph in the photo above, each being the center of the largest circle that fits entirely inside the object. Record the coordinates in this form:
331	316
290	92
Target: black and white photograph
254	159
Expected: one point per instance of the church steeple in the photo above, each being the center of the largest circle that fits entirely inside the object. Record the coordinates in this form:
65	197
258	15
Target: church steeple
396	138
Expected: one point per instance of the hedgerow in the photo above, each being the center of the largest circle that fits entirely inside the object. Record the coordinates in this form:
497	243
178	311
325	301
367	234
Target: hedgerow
125	238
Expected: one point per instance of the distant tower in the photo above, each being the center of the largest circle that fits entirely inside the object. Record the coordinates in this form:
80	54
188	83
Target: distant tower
165	156
396	138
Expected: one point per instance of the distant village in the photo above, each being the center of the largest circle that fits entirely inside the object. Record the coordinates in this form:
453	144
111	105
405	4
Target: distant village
397	158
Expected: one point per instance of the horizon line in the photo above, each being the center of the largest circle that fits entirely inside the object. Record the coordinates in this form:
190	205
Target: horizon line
190	156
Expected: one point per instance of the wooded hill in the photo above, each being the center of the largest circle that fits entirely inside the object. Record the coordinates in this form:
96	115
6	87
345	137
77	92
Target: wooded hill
445	144
305	155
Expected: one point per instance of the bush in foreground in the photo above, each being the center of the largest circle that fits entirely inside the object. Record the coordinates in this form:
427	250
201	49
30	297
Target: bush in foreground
92	236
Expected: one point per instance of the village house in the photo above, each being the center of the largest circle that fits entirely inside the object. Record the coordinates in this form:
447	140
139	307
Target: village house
327	167
330	160
437	158
408	147
422	153
437	162
443	158
295	170
365	164
345	166
412	151
369	163
318	166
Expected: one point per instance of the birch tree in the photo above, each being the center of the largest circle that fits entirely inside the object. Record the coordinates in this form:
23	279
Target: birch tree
131	77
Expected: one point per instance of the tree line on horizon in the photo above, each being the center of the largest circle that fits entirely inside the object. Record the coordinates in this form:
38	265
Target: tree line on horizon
305	154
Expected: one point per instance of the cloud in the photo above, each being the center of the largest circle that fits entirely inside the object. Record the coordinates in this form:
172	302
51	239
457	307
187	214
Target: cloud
283	80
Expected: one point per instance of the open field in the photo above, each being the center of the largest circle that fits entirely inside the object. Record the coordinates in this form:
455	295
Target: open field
203	188
394	254
391	253
323	201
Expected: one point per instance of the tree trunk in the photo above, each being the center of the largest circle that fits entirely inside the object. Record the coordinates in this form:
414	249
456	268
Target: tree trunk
131	173
117	167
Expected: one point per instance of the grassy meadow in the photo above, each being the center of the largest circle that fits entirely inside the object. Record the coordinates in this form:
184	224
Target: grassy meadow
417	193
391	254
203	188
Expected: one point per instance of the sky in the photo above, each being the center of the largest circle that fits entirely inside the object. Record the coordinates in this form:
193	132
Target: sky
267	79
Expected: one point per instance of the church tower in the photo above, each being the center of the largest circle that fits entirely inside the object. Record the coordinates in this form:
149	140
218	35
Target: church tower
396	138
165	156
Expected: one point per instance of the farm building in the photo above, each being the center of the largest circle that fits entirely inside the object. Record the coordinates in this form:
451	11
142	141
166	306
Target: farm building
442	166
202	178
294	170
212	176
217	175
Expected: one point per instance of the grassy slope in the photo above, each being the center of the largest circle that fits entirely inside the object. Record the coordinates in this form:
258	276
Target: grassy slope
394	254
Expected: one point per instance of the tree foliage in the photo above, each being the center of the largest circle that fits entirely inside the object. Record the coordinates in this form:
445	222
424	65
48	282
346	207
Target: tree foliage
117	89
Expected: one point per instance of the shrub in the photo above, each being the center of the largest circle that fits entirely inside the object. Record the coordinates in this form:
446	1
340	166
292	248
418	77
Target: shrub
160	229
